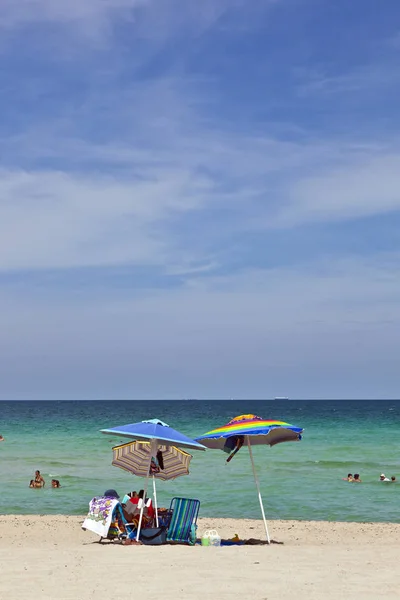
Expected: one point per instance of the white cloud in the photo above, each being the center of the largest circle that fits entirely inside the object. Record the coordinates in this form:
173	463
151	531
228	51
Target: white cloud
163	161
15	12
369	79
155	20
50	219
359	189
125	211
114	202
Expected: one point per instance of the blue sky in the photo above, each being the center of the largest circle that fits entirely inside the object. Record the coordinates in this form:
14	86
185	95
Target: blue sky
199	199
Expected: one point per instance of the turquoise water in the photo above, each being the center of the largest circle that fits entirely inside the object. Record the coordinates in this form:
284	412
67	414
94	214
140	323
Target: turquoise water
298	480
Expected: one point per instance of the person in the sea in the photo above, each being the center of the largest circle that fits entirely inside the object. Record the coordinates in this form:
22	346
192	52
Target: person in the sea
356	478
393	479
383	477
35	484
1	438
39	481
55	483
348	478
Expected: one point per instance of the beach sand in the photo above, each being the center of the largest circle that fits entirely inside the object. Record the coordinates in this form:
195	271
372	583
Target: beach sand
50	557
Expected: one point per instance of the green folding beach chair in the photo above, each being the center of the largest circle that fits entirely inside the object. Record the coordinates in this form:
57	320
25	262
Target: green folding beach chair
183	526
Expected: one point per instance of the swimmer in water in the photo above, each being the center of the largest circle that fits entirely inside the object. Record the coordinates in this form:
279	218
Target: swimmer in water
356	478
39	481
348	478
1	438
55	483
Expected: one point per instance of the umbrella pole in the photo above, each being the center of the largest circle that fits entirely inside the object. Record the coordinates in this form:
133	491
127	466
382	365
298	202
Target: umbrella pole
153	444
258	489
155	499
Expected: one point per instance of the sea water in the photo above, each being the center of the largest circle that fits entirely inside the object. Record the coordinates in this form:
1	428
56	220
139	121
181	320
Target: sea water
302	480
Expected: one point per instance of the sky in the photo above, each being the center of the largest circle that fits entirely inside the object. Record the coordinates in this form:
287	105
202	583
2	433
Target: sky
199	199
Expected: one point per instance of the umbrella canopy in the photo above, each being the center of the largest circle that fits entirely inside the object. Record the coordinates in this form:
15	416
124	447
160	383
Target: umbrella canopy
252	430
154	430
170	462
260	431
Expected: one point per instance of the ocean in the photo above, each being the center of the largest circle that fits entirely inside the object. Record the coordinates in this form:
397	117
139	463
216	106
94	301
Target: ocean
298	480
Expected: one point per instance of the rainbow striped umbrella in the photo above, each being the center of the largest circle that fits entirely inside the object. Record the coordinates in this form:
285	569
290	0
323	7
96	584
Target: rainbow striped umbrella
253	431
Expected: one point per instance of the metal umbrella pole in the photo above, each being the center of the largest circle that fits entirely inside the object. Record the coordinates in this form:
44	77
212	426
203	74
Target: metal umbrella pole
258	488
155	499
153	451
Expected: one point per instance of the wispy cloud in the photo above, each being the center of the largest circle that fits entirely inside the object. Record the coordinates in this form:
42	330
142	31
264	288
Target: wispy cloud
359	189
24	11
367	78
95	20
126	203
90	221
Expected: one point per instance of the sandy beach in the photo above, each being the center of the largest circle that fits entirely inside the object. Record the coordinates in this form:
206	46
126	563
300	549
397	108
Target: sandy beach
51	557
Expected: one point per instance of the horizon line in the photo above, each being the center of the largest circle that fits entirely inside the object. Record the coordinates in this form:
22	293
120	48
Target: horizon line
283	399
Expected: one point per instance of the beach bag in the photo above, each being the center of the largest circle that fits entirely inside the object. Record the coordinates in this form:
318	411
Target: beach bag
153	536
193	535
211	538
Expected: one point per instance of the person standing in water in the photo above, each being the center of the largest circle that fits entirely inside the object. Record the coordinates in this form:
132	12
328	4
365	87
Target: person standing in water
39	481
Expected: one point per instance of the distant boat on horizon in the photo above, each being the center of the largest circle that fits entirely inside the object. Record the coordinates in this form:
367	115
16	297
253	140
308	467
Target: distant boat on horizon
281	398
